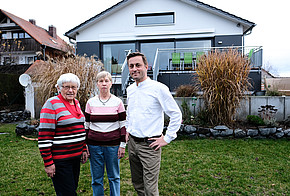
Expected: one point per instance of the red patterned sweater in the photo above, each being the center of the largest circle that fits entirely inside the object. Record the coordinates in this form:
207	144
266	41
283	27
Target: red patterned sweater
61	131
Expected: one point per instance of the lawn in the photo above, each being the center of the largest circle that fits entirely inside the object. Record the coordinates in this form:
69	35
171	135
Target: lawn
189	167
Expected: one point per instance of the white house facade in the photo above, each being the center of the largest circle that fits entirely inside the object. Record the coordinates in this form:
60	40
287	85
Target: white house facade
171	33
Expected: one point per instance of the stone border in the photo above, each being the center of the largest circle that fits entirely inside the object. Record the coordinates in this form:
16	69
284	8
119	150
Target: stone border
9	117
221	131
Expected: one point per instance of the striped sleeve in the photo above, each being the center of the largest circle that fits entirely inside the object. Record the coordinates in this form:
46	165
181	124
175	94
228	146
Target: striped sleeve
46	132
122	121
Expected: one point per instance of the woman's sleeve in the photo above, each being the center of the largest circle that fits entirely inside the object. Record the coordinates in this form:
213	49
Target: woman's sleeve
122	121
88	118
46	132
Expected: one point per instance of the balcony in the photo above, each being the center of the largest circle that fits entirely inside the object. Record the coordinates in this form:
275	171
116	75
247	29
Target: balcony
185	60
17	45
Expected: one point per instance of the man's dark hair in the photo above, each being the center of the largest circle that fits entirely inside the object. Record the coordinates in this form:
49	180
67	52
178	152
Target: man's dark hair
133	54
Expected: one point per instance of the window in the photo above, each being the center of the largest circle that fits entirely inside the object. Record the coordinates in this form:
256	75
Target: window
155	18
7	60
4	35
193	44
26	35
149	49
15	35
29	60
21	35
114	56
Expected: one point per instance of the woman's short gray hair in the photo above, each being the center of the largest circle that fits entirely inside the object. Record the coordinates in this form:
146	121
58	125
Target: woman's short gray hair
68	77
104	74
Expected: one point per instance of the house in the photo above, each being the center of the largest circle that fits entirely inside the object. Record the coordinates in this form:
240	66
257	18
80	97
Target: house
22	42
171	33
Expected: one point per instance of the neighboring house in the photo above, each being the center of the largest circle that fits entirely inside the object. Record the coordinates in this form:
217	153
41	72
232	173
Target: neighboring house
22	42
171	33
279	84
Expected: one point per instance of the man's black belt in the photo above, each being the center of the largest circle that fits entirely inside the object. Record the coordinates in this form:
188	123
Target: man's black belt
143	139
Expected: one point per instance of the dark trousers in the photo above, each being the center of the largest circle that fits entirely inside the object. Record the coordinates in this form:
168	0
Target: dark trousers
66	177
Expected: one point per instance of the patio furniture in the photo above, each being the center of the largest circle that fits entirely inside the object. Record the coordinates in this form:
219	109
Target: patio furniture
188	60
175	61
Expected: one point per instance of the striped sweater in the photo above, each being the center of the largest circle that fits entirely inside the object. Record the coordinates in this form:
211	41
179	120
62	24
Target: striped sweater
61	131
105	124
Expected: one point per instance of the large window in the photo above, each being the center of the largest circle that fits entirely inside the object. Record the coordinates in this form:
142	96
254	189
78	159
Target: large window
193	44
114	56
149	49
155	18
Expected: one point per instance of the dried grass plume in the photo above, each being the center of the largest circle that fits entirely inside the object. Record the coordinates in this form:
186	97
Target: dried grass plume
46	74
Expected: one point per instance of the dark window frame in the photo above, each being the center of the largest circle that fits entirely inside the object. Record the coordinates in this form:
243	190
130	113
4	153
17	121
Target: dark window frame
171	14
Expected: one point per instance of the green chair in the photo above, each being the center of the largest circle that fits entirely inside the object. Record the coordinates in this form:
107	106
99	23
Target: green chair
198	55
188	61
175	60
250	55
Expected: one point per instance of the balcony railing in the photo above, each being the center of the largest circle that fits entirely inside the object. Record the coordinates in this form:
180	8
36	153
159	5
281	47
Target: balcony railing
186	59
16	45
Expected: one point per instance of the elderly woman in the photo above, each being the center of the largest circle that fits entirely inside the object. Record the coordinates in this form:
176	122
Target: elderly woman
105	125
62	135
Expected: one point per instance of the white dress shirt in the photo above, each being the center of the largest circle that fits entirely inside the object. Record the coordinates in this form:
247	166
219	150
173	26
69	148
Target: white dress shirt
147	103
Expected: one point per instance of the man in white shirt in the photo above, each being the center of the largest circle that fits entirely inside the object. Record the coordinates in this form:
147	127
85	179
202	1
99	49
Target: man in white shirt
148	100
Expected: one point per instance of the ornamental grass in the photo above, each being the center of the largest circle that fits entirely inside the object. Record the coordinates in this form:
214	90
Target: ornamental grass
46	75
223	78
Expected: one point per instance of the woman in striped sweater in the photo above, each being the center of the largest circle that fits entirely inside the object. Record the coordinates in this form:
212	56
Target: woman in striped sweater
62	135
105	126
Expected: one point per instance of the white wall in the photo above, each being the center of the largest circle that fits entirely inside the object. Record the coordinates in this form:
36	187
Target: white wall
249	106
190	22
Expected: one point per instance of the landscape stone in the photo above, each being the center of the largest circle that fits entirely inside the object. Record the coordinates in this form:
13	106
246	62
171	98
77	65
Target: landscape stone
227	133
264	131
239	133
253	132
279	134
202	130
214	132
221	127
189	129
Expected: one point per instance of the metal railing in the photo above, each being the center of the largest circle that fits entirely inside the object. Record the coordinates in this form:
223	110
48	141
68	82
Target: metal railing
125	74
167	60
187	59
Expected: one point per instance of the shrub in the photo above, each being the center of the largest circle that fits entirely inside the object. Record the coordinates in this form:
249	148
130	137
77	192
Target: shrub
273	93
223	78
186	113
255	120
186	91
267	113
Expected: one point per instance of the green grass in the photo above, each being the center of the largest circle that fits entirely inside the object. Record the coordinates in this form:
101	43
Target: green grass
189	167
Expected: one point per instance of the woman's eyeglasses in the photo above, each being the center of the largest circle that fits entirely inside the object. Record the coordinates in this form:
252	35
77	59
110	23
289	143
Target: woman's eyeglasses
70	87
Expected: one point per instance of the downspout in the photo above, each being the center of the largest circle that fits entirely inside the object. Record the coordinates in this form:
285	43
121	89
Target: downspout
44	52
74	44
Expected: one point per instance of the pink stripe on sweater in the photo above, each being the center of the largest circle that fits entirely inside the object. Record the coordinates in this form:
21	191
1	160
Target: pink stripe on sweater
103	110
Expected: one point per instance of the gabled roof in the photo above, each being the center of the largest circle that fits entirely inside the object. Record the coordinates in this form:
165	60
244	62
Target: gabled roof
247	24
38	33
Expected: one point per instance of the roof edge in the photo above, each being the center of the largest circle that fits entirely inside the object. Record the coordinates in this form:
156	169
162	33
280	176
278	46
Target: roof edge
71	33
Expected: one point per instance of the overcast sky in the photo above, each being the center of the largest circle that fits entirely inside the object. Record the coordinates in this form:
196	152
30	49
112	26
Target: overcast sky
271	19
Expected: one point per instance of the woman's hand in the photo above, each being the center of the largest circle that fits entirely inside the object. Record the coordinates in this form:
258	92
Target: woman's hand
121	152
50	171
84	157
